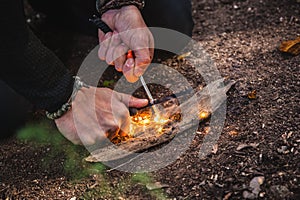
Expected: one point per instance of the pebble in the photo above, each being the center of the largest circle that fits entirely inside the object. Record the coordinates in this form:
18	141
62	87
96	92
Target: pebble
254	186
281	19
283	149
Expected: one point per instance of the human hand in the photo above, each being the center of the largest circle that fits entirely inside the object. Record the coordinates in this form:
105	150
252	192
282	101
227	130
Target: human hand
95	113
130	32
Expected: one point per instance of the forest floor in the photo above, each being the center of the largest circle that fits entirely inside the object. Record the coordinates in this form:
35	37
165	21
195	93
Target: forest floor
257	154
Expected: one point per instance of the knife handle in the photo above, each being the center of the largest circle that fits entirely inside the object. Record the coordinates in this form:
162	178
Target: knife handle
106	29
100	24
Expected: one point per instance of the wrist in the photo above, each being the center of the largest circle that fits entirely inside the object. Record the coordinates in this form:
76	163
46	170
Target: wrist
78	85
105	5
111	17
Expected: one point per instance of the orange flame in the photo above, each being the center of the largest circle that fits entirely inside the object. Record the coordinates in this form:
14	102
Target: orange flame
144	120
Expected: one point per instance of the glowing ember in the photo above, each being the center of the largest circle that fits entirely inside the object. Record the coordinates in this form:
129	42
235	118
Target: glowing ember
141	118
204	115
144	120
160	120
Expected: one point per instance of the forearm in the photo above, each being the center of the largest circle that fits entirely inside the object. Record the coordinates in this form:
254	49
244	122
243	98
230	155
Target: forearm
39	76
26	65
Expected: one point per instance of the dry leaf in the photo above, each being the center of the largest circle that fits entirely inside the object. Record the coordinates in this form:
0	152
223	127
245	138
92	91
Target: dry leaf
252	94
292	47
244	146
183	56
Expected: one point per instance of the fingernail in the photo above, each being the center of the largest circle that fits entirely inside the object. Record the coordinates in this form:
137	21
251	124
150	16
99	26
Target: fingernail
118	68
143	101
130	63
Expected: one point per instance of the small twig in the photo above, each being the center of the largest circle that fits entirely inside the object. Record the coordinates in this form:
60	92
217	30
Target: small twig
4	189
20	192
93	186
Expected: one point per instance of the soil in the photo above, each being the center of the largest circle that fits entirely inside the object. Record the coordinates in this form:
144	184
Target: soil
258	152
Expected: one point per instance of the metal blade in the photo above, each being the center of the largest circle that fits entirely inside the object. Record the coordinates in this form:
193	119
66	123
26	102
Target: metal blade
155	109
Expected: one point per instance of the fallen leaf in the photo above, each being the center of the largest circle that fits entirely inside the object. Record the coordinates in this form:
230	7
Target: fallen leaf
252	95
291	46
183	56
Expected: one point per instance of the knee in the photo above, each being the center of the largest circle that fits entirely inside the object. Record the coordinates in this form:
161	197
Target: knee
175	15
14	110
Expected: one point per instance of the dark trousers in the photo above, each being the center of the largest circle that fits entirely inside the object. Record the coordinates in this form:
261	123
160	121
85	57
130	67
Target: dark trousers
175	14
14	110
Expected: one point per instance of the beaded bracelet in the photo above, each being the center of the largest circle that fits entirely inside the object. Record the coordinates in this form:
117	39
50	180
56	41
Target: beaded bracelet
105	5
78	85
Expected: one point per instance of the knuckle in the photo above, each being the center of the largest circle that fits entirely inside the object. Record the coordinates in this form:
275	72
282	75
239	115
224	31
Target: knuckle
109	57
143	62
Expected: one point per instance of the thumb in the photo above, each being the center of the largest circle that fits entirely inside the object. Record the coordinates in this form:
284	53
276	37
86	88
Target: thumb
133	102
138	103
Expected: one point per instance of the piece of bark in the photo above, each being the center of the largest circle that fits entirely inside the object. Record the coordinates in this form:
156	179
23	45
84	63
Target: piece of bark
208	100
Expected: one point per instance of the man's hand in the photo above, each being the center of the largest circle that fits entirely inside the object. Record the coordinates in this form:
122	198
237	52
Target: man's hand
130	32
95	113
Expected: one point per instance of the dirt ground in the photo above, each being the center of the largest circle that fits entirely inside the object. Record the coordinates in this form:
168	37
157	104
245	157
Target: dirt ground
258	153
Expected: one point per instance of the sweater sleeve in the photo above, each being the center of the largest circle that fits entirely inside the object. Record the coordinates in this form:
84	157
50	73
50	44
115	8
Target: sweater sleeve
39	76
27	65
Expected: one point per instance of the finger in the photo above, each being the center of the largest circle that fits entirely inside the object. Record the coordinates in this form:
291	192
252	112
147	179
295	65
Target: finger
120	57
133	102
109	126
112	133
151	46
101	35
121	114
138	103
104	46
125	126
143	59
128	71
114	43
121	117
